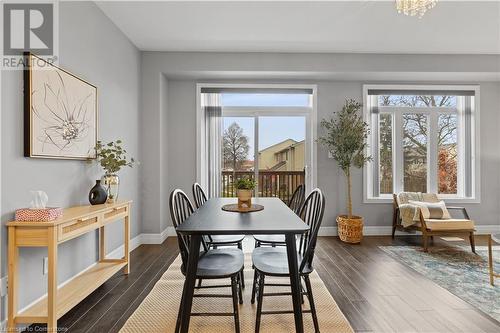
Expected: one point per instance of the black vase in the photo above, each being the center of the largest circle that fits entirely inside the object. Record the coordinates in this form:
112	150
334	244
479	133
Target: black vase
98	194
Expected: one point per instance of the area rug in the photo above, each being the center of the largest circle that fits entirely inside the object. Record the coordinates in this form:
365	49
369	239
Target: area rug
158	311
458	270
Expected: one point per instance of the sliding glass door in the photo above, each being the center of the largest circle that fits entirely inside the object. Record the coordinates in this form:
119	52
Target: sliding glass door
269	147
265	132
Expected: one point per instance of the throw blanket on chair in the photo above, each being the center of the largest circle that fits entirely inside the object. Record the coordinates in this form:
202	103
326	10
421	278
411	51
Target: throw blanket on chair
410	214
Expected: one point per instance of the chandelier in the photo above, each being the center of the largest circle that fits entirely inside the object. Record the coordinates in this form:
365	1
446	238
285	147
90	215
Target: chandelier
414	7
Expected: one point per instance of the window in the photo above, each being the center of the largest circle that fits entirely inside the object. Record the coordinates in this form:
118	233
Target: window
265	132
422	140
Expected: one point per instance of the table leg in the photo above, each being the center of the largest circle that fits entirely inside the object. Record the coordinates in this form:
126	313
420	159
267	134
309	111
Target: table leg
291	249
126	228
102	244
13	257
189	284
52	281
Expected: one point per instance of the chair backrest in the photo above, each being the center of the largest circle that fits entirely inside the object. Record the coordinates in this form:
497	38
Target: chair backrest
312	214
180	209
297	199
199	195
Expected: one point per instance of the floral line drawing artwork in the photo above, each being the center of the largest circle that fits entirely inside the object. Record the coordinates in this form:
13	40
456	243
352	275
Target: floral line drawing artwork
60	113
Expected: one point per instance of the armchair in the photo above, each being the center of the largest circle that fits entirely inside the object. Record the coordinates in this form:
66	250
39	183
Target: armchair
430	227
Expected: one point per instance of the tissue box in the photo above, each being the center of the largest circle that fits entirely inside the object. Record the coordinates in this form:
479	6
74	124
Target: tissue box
38	214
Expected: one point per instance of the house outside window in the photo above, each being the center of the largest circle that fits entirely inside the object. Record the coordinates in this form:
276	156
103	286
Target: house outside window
422	139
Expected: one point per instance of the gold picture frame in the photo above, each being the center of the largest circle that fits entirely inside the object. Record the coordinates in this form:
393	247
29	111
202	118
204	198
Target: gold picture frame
60	112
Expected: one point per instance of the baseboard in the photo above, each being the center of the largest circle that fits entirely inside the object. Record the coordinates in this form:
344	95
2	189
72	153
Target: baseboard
157	238
487	229
118	252
387	230
143	239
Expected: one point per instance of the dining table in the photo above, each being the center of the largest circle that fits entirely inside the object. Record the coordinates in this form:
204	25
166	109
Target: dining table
210	219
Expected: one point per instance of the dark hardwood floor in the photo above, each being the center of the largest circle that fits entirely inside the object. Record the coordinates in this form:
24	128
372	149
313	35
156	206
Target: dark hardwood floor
375	292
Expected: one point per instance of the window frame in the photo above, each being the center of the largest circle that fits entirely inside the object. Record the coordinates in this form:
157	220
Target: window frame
397	150
309	112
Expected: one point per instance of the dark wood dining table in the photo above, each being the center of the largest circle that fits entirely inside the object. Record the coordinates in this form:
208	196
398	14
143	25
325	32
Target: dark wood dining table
210	219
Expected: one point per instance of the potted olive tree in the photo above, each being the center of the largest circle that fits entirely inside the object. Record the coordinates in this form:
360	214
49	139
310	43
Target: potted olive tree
345	138
244	190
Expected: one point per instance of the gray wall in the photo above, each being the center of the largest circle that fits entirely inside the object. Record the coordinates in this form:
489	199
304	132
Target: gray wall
338	77
96	50
331	96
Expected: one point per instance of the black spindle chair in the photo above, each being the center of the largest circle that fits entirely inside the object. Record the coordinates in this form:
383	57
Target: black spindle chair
212	263
214	241
295	204
272	261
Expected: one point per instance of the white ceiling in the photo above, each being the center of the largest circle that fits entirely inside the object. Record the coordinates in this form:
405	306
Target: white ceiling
471	27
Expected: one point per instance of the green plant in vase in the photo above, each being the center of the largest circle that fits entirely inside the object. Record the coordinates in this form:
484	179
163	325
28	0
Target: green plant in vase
244	190
112	157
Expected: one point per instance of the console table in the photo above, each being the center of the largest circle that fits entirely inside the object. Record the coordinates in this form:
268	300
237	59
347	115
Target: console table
74	222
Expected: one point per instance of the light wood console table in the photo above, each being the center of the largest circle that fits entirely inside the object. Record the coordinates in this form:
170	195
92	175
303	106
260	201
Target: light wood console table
74	222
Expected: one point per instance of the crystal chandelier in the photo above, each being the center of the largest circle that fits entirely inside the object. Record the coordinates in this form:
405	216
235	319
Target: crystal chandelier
414	7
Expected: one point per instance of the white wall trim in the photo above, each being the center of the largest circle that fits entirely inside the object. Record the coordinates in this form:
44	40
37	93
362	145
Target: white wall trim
143	239
387	230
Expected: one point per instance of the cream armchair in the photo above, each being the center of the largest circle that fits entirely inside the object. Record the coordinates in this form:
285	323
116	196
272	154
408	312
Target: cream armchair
424	212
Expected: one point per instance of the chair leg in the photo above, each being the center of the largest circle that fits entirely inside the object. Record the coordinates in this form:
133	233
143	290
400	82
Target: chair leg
178	322
425	241
394	221
311	303
234	287
254	286
242	274
199	282
259	302
472	243
240	289
301	292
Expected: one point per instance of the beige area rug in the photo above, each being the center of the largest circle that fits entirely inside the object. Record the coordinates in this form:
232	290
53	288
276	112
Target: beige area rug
158	311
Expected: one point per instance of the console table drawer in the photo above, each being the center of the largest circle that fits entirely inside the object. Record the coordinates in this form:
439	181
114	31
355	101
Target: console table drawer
77	227
116	213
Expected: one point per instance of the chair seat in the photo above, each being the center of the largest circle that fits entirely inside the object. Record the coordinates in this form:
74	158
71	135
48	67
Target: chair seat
449	224
226	239
270	239
274	261
220	263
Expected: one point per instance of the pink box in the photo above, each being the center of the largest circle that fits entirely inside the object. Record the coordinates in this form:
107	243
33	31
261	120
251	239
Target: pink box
38	215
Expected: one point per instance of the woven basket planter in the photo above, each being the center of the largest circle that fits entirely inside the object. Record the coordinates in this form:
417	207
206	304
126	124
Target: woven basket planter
350	229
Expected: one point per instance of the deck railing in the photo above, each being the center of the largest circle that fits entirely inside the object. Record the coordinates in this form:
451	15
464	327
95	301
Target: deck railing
279	184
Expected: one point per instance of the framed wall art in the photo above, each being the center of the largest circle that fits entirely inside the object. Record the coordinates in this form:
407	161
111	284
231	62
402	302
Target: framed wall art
60	112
